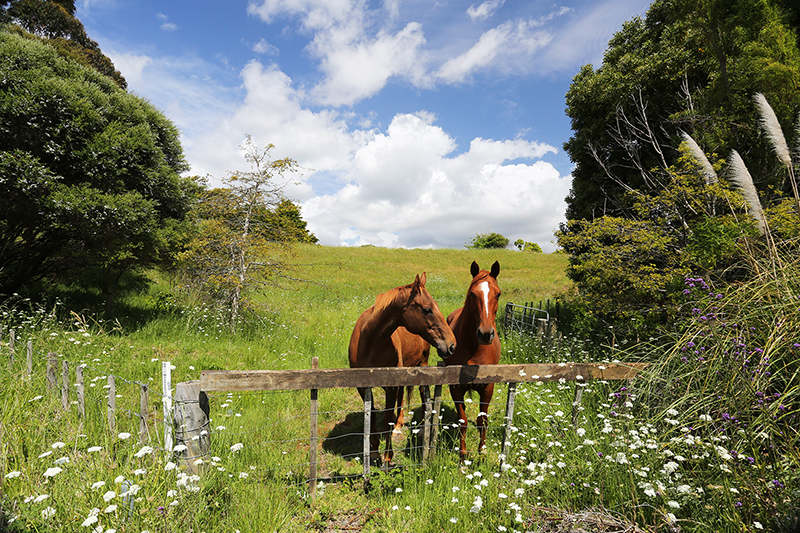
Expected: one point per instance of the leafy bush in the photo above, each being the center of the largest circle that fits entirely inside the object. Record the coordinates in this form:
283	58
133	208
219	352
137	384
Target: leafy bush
527	246
487	240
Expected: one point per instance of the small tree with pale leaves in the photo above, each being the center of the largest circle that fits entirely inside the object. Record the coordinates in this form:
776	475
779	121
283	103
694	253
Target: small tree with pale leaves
235	253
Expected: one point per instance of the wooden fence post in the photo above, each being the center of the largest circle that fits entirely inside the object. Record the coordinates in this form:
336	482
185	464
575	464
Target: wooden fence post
312	450
427	409
11	340
166	398
51	371
367	431
29	360
576	404
64	385
437	407
512	393
112	404
191	422
144	435
79	389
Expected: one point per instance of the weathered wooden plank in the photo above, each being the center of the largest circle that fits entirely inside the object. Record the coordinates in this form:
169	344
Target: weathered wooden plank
240	380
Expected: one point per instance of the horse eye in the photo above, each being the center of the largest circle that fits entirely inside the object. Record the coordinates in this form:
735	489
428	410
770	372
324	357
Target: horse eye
427	310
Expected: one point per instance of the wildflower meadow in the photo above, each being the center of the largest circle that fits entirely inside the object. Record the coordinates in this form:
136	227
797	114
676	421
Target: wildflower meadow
704	440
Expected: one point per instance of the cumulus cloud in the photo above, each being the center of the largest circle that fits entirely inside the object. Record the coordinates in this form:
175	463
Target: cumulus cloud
408	183
405	186
359	68
436	199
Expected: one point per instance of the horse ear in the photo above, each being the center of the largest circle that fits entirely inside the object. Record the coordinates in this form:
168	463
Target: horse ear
495	269
422	280
417	284
474	269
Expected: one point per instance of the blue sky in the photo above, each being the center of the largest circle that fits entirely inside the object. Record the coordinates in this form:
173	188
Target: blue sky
416	123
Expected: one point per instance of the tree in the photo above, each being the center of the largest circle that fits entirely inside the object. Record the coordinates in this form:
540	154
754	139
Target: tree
687	66
527	246
288	225
238	250
89	174
54	22
487	240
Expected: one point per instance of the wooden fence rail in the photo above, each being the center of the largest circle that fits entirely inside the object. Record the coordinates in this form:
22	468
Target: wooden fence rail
314	379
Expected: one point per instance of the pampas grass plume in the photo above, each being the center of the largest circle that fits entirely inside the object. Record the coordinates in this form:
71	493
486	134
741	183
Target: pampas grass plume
771	126
741	177
705	165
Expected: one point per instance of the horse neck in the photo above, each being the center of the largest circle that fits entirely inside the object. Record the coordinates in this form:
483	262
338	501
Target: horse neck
386	316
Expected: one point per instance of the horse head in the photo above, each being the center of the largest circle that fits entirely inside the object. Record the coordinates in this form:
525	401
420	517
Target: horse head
421	316
482	300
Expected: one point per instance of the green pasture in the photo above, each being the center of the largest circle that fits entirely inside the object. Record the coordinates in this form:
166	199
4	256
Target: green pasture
648	453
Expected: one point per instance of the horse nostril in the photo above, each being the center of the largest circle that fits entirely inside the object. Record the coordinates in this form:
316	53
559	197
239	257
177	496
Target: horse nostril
451	349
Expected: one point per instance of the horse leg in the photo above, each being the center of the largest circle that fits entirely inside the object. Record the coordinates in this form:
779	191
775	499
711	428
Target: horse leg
401	406
458	398
389	419
483	417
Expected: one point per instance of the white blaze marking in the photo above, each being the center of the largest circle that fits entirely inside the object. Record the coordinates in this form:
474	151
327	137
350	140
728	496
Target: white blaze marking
484	287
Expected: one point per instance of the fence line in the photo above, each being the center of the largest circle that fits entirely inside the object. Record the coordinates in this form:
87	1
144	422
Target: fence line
366	378
58	366
188	411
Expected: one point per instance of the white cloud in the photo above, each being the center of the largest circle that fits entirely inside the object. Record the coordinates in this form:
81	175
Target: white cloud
165	24
316	14
357	51
131	66
263	47
359	68
272	112
585	37
433	199
509	43
484	10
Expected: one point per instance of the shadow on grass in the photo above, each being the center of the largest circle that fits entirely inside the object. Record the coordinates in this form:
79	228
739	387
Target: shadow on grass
346	439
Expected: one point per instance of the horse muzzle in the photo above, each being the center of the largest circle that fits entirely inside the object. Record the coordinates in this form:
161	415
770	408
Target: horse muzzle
445	350
486	337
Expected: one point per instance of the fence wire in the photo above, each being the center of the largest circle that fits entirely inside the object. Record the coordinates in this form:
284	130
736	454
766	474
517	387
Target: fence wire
413	449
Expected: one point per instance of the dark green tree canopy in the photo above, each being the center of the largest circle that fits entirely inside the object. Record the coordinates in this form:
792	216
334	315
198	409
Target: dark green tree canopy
289	224
89	174
687	66
54	22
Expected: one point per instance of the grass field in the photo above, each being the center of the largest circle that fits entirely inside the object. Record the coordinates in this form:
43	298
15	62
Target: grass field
625	461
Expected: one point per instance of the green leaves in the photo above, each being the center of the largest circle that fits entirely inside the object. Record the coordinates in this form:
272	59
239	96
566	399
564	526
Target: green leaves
89	173
487	240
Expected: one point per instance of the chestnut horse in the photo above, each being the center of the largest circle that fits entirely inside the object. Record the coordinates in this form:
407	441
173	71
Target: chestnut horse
477	343
380	334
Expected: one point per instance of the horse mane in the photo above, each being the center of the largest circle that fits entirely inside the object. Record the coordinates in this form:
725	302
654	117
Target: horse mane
385	299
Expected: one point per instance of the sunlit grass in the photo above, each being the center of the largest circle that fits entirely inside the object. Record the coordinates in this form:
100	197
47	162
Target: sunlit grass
705	440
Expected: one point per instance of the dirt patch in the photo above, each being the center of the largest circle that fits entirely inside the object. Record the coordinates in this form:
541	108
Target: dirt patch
345	521
547	520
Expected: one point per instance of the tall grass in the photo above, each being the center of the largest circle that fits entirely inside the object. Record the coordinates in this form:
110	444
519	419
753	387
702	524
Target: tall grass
705	440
